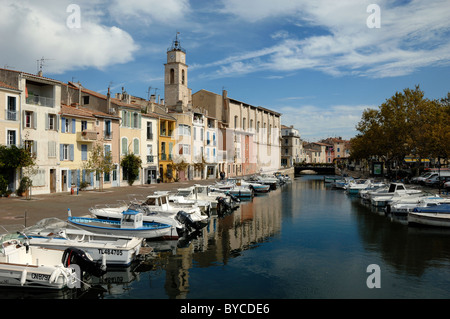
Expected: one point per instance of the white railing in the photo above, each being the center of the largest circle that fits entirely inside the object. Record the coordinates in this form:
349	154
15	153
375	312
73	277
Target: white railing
41	101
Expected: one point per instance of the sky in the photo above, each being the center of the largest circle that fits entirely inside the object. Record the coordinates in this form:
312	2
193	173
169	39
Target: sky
320	63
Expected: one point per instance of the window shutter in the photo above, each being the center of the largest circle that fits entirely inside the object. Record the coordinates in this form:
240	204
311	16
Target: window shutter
74	126
124	146
71	149
69	177
46	122
34	119
63	125
61	152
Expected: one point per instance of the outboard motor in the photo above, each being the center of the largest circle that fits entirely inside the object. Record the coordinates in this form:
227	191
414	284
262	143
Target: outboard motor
185	219
77	256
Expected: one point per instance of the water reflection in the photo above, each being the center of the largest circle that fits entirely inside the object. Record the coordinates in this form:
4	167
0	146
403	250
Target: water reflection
410	250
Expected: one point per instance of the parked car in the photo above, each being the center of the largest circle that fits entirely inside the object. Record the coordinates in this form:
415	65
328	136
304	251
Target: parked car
447	186
421	179
436	181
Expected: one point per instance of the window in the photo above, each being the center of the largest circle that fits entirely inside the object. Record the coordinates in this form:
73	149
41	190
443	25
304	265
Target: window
51	149
235	122
31	146
11	137
85	100
66	125
201	134
149	131
108	132
51	122
136	120
184	149
182	77
66	152
243	123
28	120
124	146
172	76
84	150
136	146
11	110
184	129
84	125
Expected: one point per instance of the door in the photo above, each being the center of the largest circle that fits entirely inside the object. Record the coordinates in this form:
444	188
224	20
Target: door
52	180
63	181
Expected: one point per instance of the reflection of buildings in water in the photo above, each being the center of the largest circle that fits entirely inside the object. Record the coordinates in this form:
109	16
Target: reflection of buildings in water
253	222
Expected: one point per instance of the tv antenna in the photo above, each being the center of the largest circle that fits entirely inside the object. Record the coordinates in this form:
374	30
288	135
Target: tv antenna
40	64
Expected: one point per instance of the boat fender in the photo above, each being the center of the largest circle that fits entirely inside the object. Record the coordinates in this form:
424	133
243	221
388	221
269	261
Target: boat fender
55	274
23	277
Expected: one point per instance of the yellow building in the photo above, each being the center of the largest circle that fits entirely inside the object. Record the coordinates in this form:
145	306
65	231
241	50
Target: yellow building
166	141
77	137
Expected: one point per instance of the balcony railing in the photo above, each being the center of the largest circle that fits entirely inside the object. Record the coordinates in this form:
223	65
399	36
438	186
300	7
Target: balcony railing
41	101
151	158
11	115
87	136
108	135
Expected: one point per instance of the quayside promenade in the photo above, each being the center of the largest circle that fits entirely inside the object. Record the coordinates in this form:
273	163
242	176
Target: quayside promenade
13	210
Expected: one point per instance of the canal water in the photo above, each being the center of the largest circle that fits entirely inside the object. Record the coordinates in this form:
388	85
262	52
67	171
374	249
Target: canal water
304	240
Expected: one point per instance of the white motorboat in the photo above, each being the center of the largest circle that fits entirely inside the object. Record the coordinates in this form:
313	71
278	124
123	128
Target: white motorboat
58	234
130	225
256	187
22	265
407	204
436	216
157	208
356	186
395	189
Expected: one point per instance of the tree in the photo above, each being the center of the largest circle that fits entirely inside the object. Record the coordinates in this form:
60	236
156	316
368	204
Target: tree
131	165
405	124
13	158
99	161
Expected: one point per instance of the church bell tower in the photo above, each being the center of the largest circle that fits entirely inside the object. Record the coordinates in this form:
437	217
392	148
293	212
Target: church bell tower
176	92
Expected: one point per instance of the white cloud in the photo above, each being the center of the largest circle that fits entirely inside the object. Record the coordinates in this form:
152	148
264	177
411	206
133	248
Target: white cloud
149	11
412	35
31	30
316	123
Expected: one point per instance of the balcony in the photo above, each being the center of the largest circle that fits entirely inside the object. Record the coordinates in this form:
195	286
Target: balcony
40	101
11	115
151	158
108	136
87	136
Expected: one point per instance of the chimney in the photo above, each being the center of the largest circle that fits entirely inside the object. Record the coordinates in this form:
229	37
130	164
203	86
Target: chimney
153	98
108	101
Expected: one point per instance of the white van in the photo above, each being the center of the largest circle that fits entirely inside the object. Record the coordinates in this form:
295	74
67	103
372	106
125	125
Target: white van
433	178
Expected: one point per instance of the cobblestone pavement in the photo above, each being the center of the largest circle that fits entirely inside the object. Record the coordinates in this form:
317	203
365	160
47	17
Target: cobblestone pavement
26	212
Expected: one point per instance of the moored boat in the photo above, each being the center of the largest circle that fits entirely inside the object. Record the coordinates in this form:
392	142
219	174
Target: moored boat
131	224
58	234
436	216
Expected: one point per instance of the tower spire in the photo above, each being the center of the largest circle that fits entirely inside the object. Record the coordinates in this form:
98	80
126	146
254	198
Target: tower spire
176	46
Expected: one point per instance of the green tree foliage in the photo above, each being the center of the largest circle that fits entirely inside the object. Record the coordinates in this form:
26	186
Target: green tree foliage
131	165
100	162
405	124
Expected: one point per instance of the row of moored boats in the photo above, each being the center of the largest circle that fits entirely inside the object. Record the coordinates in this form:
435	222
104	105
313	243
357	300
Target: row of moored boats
57	253
416	206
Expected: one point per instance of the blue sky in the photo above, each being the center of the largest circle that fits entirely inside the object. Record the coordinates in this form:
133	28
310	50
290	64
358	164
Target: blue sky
316	62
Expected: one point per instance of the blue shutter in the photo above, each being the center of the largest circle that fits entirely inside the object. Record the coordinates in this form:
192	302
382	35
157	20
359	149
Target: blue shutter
63	125
78	177
71	148
61	152
83	152
74	126
69	177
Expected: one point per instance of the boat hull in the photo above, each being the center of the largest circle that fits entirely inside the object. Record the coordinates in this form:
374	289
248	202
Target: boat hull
112	227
